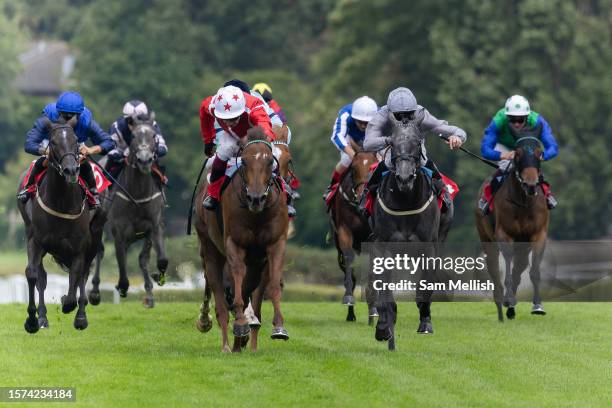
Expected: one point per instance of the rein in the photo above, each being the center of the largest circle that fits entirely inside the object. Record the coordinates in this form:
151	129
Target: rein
244	187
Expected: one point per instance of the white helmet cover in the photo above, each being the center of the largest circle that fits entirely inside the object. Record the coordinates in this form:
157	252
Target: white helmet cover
135	107
401	100
229	102
364	109
517	105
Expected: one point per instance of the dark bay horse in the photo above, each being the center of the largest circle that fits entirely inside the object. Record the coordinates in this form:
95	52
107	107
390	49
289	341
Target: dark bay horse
349	228
130	222
59	223
517	226
245	241
406	210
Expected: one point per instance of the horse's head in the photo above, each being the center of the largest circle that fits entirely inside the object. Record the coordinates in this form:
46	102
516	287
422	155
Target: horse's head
256	169
527	159
64	148
406	152
360	167
144	144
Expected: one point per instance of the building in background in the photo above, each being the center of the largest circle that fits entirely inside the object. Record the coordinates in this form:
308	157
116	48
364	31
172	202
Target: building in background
46	69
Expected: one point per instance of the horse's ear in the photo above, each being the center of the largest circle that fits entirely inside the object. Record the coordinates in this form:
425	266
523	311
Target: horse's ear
73	121
538	153
47	124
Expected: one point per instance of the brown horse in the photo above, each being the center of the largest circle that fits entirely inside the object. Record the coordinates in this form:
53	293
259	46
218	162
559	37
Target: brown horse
520	215
244	242
349	228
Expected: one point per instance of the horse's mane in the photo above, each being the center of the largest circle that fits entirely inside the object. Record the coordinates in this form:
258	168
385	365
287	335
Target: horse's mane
256	133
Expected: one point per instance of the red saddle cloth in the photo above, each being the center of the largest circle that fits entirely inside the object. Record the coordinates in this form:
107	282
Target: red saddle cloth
487	193
102	182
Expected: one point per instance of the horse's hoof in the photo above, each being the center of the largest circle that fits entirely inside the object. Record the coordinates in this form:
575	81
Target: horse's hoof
159	278
204	326
31	325
241	330
94	298
425	326
226	349
348	300
351	318
279	333
538	309
382	334
148	302
244	341
510	313
80	323
254	322
43	323
67	307
373	312
122	291
162	265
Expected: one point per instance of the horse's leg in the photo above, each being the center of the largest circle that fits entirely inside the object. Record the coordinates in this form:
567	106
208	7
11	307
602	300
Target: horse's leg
520	260
157	236
41	285
35	255
371	296
506	247
276	255
121	248
256	300
237	272
94	294
75	275
143	262
538	247
204	322
423	297
80	319
346	256
491	251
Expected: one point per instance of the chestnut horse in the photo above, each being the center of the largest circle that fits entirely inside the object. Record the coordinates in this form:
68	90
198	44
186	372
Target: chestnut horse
349	228
520	215
245	241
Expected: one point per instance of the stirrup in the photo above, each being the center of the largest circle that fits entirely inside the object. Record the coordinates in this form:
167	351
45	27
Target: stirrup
551	202
291	211
483	206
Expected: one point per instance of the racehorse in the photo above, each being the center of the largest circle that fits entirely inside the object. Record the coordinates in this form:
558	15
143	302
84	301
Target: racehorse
59	223
516	227
349	228
245	241
142	219
406	210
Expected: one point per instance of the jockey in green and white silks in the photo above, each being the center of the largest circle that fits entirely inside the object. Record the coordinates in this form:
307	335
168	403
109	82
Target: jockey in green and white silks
498	143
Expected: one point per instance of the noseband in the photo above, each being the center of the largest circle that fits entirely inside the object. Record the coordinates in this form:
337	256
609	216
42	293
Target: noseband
55	163
270	181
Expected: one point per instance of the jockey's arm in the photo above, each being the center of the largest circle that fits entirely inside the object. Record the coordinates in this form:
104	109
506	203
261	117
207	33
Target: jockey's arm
489	141
101	140
162	148
551	149
375	138
260	118
117	154
339	136
35	137
438	126
207	122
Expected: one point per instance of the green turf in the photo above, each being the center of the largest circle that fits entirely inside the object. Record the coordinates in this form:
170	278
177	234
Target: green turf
134	357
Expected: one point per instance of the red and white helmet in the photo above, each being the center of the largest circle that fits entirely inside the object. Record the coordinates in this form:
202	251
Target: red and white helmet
229	102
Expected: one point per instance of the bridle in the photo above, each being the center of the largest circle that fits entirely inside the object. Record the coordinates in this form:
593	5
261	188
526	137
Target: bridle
354	202
55	163
518	169
244	186
142	146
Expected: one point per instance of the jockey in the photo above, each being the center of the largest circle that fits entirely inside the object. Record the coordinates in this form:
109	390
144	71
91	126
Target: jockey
350	124
498	144
37	140
227	116
402	105
266	92
121	133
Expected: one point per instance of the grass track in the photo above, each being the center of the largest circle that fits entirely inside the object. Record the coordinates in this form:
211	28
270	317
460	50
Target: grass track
131	357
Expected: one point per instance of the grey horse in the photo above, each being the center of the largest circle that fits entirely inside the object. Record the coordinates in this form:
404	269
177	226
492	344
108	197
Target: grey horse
130	221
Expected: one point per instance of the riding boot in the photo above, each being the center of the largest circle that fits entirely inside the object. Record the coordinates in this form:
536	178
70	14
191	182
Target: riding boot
24	195
289	191
489	191
217	177
334	180
87	175
371	187
551	201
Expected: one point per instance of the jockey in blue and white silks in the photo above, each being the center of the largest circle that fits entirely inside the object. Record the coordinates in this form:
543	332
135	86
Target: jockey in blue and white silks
350	125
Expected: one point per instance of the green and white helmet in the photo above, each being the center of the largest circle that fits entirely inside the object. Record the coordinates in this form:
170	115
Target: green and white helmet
517	105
